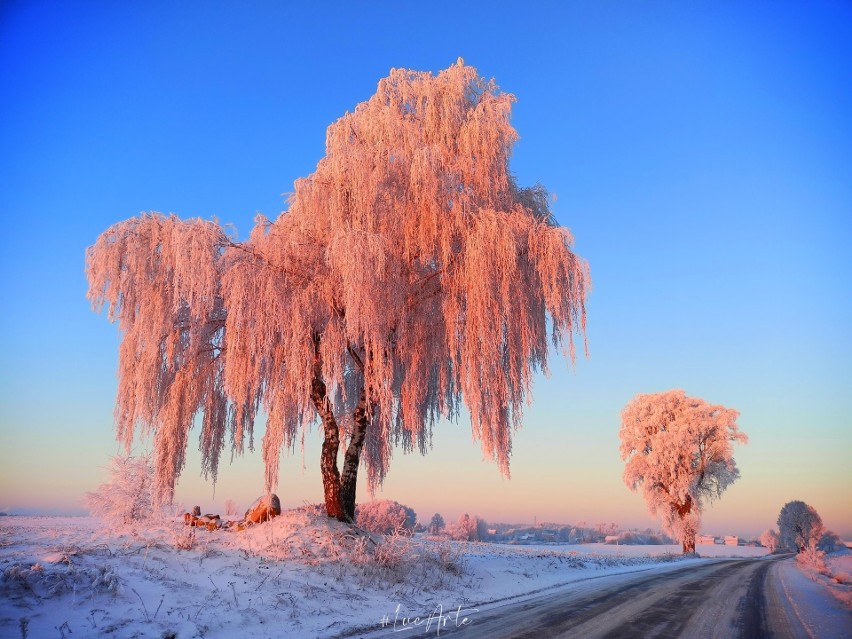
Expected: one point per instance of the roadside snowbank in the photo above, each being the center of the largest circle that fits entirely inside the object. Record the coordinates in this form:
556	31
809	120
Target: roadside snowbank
815	602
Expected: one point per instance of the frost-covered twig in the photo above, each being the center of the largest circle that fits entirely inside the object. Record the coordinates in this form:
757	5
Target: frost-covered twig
144	607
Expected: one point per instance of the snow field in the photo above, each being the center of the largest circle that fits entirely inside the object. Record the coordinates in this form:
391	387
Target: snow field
300	575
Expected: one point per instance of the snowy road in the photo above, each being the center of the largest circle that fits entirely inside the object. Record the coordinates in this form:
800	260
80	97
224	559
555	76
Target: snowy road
724	599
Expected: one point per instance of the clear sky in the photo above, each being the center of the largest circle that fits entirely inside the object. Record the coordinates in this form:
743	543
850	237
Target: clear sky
700	152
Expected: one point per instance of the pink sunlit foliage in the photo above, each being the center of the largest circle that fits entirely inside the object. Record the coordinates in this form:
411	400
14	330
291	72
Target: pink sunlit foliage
679	449
467	528
409	276
769	539
812	558
385	516
126	498
160	279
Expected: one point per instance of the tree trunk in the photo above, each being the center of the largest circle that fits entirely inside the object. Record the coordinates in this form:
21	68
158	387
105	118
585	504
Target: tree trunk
688	535
328	456
352	459
331	442
339	491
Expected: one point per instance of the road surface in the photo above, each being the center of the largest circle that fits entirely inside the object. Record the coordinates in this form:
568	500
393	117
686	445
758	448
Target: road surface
724	599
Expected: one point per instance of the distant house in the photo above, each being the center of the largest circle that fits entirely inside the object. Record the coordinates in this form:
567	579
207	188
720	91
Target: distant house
705	540
611	539
731	540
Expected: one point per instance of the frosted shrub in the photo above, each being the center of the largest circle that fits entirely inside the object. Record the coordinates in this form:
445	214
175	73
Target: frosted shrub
394	551
105	580
829	542
57	579
127	497
468	528
386	517
451	558
812	558
184	538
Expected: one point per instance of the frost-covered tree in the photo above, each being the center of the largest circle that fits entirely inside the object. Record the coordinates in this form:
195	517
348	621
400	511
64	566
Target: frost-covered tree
829	541
769	539
799	525
679	449
468	528
437	524
385	516
410	276
127	497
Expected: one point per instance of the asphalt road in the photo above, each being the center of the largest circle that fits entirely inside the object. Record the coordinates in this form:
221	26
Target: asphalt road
726	599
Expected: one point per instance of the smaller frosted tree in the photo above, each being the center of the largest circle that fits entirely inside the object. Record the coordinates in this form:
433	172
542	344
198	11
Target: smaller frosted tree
468	528
799	526
679	449
127	497
436	525
385	516
829	542
769	540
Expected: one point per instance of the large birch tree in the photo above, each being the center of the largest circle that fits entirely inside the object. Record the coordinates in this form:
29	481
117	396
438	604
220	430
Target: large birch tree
409	276
679	449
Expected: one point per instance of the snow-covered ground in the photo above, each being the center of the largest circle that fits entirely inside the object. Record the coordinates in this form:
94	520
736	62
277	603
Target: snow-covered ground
300	575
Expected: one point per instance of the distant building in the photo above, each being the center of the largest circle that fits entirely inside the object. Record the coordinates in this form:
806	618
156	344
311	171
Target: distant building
731	540
611	539
705	540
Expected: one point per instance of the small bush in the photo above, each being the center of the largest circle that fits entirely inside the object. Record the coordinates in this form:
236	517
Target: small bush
184	538
127	497
812	558
386	517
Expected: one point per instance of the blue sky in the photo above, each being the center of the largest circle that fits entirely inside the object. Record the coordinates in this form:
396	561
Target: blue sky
701	153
